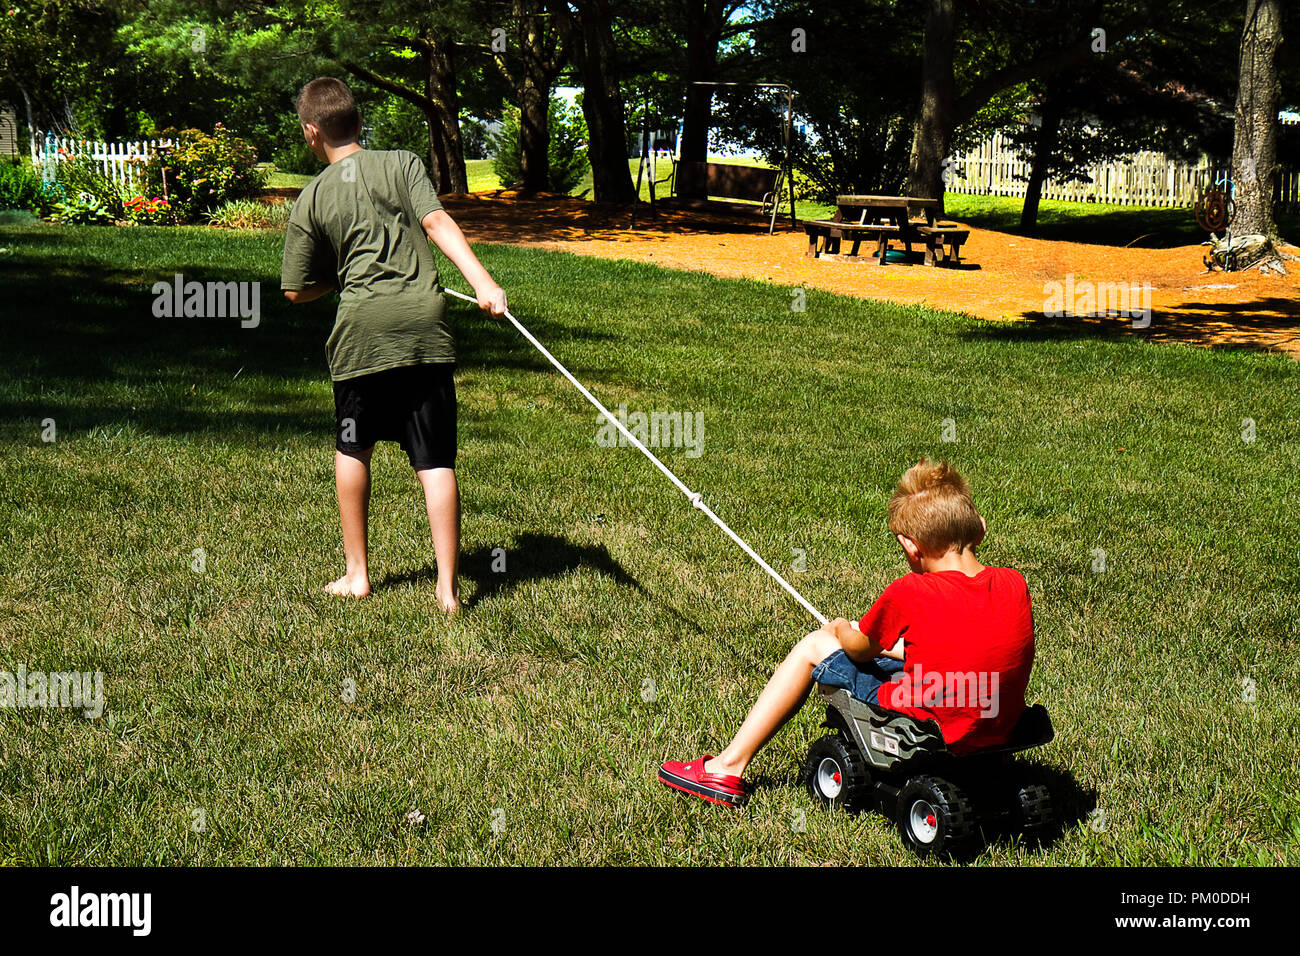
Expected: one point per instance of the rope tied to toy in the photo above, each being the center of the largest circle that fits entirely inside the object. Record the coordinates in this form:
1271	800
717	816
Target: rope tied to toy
696	498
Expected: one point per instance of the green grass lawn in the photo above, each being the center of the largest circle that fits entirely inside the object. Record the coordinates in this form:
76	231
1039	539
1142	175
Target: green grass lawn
624	628
1099	223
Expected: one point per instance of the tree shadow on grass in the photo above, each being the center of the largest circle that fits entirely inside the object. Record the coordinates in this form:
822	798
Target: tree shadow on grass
1266	324
1106	226
83	346
530	556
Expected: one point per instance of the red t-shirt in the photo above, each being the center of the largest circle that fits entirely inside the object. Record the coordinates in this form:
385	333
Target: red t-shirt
969	646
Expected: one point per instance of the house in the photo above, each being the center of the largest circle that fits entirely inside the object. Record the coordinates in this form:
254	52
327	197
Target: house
8	130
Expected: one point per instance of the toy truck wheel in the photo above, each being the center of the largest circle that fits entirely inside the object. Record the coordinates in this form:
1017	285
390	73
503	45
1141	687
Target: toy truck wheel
1034	809
835	773
934	816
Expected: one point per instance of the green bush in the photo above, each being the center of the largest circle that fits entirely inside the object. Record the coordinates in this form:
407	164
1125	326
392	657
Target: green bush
251	214
83	209
21	188
291	153
202	172
81	176
474	138
567	155
396	124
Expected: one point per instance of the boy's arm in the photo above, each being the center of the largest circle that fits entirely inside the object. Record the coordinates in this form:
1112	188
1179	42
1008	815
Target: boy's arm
309	294
446	235
858	646
896	652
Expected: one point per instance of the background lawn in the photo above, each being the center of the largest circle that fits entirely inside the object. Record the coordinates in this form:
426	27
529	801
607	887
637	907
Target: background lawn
624	629
1099	223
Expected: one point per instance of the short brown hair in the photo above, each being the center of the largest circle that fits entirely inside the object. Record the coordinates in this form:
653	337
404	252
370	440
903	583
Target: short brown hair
932	505
328	105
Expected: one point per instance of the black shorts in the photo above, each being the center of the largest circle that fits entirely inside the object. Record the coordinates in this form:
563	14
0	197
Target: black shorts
414	406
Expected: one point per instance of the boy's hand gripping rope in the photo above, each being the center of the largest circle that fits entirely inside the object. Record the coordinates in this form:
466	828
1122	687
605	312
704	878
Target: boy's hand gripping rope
694	497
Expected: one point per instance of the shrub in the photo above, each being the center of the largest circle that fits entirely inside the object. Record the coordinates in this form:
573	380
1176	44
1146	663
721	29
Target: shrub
474	138
291	154
251	214
21	188
396	124
81	176
566	157
83	209
202	172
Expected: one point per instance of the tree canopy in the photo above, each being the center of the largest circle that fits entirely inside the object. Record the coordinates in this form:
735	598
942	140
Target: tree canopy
885	91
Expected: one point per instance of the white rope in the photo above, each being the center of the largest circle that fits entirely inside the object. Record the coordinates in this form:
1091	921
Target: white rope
696	498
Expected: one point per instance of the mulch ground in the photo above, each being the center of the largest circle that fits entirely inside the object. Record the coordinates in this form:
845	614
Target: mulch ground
1003	276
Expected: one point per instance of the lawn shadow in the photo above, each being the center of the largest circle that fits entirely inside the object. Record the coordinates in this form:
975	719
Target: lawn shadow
87	349
1269	324
1137	227
1133	228
530	556
1072	804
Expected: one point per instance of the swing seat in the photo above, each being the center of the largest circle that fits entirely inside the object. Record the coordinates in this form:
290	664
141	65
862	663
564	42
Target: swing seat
748	183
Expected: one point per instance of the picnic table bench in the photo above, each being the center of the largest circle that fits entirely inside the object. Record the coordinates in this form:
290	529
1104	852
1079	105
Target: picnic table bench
884	218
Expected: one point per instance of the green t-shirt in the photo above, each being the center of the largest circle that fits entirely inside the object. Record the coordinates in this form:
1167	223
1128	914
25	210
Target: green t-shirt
358	224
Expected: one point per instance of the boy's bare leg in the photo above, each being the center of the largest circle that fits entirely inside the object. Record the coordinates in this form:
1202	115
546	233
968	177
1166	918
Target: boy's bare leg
442	501
780	700
352	479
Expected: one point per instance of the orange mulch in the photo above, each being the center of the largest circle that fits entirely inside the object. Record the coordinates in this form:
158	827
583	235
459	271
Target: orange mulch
1004	277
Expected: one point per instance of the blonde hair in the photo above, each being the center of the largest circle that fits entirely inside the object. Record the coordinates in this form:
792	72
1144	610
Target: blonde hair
932	505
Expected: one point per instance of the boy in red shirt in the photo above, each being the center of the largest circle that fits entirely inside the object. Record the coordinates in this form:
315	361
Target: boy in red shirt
953	641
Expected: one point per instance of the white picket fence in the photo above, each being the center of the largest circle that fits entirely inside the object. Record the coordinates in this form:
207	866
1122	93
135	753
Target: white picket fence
117	161
995	168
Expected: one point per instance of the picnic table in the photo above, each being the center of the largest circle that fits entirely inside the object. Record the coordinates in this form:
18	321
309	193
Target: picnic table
882	219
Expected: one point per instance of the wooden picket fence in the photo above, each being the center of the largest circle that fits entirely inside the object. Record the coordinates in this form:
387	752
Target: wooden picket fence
120	162
994	168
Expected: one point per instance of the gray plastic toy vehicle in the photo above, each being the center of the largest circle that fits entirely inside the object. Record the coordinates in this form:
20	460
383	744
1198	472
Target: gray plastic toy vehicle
938	799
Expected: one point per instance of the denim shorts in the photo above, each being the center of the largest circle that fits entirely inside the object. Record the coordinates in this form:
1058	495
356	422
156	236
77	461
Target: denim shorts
860	680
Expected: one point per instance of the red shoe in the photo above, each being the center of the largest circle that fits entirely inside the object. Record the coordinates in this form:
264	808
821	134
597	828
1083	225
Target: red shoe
690	778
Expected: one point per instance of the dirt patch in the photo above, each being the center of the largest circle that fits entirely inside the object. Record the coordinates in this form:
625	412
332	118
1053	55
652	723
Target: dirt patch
1006	277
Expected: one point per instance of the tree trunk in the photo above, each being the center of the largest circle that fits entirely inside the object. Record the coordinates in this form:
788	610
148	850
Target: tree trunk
602	104
438	103
439	165
445	122
1044	150
704	22
935	122
1254	143
534	104
534	136
27	103
437	151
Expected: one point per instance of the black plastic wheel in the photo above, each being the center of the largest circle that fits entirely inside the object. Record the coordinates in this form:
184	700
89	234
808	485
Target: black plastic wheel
836	774
934	816
1034	809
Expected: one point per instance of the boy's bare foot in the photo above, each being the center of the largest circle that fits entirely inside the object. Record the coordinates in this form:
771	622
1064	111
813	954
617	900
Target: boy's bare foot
349	586
449	603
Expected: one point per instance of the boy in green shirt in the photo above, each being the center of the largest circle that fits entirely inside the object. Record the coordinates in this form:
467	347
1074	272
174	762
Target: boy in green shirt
363	226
